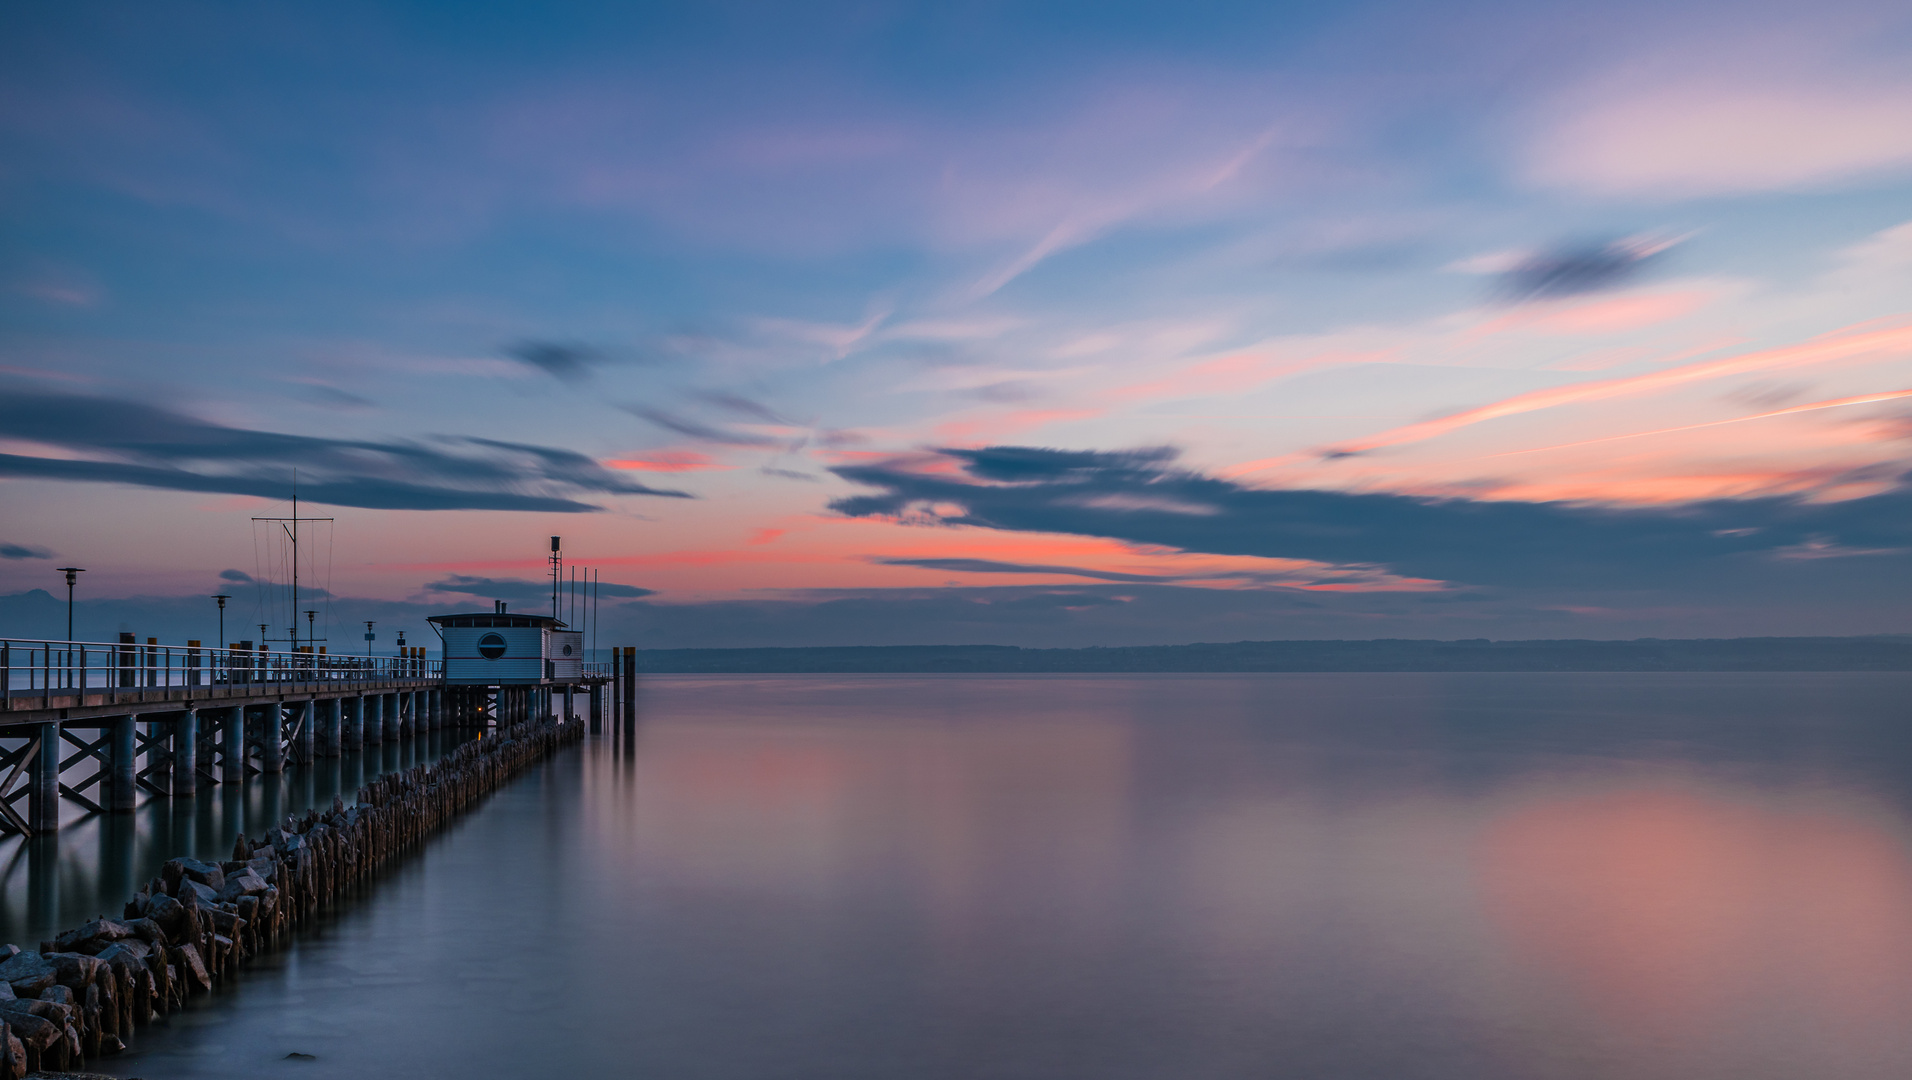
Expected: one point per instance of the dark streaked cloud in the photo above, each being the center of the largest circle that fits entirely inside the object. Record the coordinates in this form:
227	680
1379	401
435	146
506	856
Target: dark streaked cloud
23	551
695	429
237	576
1140	497
789	474
1570	270
522	590
739	405
131	442
561	360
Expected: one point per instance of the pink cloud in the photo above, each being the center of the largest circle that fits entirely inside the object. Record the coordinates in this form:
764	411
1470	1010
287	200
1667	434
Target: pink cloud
668	461
1726	135
1831	347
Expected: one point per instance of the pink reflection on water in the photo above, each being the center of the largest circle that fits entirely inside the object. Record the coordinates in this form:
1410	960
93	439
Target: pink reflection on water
1686	923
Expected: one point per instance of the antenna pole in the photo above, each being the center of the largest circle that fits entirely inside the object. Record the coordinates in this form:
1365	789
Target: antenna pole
294	643
557	563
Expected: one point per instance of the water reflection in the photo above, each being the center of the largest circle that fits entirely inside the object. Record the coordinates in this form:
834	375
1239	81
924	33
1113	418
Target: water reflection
1484	877
98	860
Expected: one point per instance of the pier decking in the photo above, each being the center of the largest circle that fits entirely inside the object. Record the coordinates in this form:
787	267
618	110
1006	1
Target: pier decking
167	720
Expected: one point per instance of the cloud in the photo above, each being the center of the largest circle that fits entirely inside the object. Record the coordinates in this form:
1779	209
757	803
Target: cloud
991	566
23	551
695	430
742	406
1570	270
570	362
129	442
1131	496
520	590
1693	136
668	461
239	576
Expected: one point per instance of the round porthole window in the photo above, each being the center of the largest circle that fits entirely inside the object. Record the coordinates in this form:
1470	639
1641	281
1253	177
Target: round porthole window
491	646
567	650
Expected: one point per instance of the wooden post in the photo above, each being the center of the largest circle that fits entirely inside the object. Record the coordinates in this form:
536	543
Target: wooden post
185	782
232	751
272	720
329	727
120	789
43	778
308	720
352	730
371	720
630	683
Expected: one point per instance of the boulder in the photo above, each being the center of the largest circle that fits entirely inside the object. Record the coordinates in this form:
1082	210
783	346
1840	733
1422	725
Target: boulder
104	931
28	974
205	873
208	895
169	915
131	951
76	970
37	1033
244	883
15	1052
149	931
191	967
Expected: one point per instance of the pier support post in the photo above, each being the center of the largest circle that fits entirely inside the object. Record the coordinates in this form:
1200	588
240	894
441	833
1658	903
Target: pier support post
596	705
208	743
372	720
308	719
329	727
185	780
160	761
352	727
630	683
122	791
232	749
391	717
43	778
272	723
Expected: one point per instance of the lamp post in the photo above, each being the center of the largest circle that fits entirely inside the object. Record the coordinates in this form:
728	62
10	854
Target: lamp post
220	645
72	574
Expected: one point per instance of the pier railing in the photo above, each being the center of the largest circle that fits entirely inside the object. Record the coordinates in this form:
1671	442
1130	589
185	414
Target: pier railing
35	668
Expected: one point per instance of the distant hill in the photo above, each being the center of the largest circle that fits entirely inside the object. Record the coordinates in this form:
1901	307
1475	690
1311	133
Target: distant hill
1646	654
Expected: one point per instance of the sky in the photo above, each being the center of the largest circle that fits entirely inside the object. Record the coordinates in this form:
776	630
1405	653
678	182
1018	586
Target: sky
1038	323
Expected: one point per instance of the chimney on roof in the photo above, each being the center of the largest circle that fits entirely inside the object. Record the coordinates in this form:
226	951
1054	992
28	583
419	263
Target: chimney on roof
499	609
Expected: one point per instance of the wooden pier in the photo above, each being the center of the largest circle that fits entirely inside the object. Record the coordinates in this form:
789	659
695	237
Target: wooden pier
101	723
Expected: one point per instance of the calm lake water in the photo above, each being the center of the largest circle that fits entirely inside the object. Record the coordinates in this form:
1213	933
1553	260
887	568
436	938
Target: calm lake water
1399	876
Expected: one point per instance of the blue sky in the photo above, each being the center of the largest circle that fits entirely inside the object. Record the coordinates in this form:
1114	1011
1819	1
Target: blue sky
752	303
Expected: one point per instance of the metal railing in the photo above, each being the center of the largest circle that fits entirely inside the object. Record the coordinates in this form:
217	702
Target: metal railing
39	668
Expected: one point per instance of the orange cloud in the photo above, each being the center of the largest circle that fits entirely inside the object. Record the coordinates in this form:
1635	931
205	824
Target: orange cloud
669	461
1832	347
1609	315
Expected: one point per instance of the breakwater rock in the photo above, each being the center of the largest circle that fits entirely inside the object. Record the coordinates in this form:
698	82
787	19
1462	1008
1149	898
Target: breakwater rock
197	924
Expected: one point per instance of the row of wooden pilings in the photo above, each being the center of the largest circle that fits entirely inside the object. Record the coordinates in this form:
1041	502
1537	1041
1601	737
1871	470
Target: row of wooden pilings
175	752
197	924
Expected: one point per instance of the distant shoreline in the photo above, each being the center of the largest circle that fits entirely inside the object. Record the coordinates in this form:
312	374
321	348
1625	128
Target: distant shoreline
1892	653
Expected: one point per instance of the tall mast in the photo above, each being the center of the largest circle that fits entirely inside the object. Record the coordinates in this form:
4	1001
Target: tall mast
295	563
